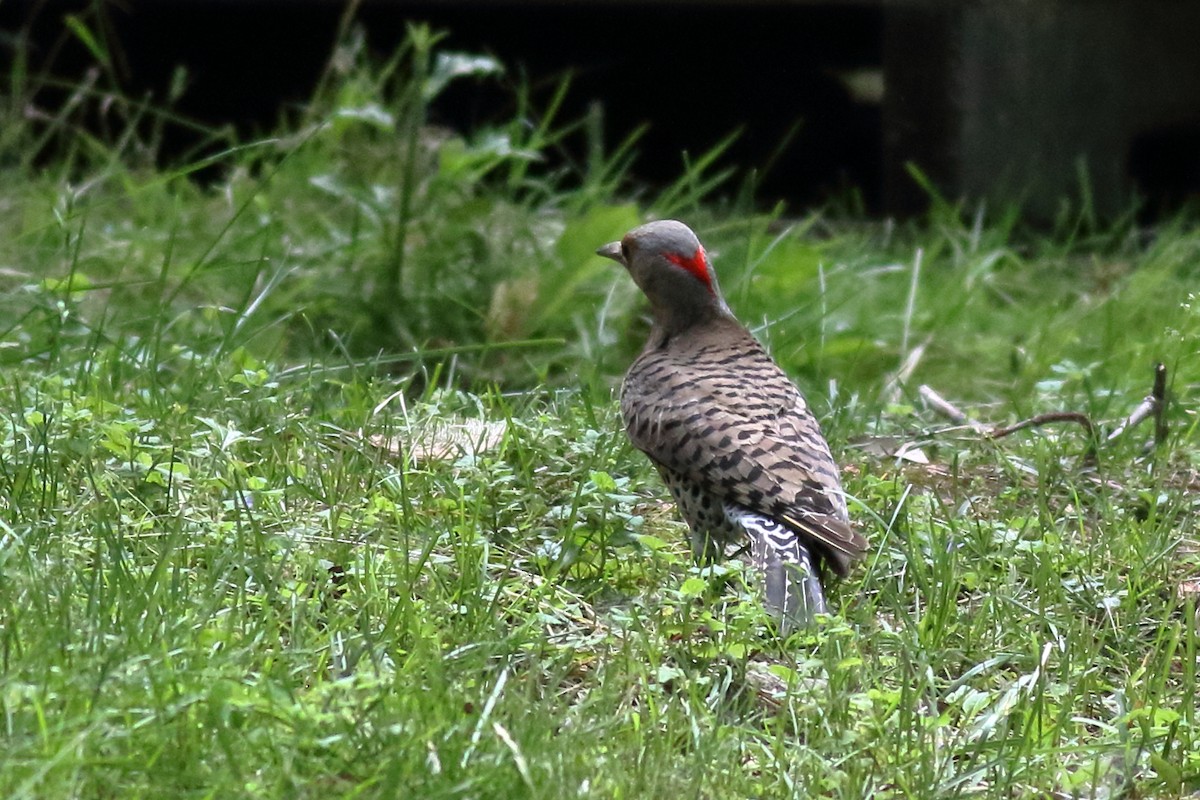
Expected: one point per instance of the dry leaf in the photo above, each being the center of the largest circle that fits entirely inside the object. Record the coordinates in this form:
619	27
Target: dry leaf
892	447
443	440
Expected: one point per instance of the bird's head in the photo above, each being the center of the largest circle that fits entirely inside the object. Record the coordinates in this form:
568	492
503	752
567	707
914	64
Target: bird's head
669	265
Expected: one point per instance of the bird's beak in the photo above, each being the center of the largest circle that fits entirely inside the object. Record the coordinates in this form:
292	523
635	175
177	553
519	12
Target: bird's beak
612	250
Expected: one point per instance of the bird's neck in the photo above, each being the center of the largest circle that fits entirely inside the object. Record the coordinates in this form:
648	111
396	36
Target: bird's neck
677	320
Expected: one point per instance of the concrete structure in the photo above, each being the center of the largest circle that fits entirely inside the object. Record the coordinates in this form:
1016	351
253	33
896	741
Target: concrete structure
1020	100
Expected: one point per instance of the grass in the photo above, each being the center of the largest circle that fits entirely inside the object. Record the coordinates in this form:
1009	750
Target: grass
308	489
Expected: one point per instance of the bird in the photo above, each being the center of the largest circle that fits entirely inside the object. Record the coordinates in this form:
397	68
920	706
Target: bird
731	435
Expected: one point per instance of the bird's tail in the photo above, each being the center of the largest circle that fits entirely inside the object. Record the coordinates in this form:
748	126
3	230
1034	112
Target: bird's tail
791	584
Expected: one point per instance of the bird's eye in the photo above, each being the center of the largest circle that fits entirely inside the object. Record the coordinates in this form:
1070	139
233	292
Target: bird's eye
625	252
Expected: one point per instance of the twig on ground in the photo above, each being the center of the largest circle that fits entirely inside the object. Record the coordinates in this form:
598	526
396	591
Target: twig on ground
947	409
1152	405
1160	408
1045	419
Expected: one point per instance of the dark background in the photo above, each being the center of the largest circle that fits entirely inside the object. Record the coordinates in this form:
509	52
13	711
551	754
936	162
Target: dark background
992	100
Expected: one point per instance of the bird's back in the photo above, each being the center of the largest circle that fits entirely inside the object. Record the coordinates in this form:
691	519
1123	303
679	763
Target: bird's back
711	406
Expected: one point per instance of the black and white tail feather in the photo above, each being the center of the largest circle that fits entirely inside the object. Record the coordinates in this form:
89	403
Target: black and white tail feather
791	584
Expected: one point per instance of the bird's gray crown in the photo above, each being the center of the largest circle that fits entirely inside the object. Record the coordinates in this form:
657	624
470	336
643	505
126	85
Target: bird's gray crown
664	236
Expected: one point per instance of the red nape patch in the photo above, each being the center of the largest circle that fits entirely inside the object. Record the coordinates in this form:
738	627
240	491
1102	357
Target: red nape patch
697	265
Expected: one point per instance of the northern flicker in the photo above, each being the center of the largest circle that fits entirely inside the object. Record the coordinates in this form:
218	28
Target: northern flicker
731	435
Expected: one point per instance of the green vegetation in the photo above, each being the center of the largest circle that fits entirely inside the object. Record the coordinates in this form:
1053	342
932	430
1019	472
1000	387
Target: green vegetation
312	482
